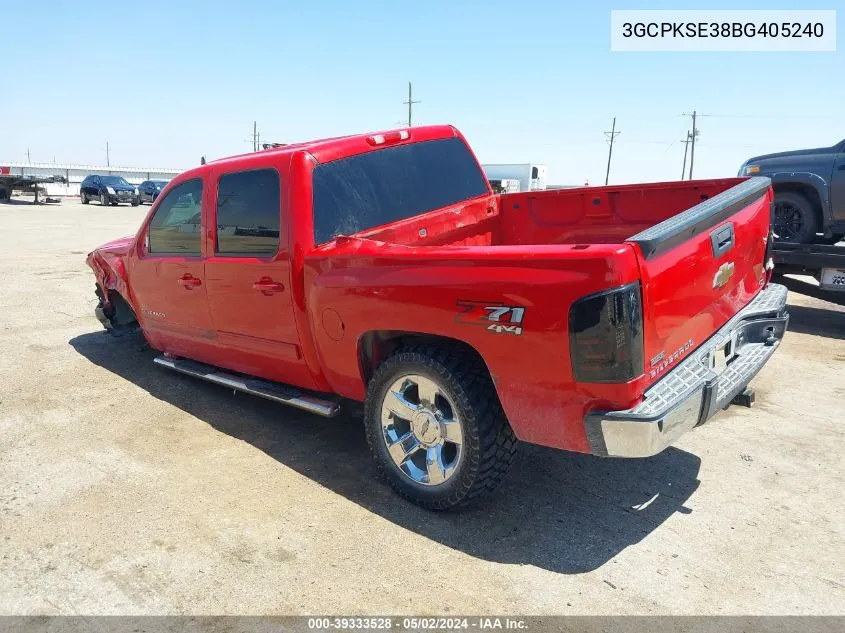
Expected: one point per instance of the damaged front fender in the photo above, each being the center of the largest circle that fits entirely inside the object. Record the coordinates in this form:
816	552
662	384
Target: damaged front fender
107	263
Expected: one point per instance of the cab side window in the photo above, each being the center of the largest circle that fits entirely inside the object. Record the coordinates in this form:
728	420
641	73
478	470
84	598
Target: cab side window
176	227
248	213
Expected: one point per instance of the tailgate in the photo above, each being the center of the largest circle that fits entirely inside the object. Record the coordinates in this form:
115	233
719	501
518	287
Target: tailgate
699	268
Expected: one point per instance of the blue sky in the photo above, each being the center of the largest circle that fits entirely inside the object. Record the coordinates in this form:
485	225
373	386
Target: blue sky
166	82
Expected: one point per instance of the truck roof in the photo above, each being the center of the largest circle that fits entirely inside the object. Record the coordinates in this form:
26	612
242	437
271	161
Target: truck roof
329	149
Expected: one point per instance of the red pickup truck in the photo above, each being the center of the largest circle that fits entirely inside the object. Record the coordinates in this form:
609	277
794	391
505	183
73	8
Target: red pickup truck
382	269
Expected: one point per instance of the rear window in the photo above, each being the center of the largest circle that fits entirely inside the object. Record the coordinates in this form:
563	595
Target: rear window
361	192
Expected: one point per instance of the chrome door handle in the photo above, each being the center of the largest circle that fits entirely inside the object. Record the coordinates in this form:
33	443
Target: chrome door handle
188	281
268	286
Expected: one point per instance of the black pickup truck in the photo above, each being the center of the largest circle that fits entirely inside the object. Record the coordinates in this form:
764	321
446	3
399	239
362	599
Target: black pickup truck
809	189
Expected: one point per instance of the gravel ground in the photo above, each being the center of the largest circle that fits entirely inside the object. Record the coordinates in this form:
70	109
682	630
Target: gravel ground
125	489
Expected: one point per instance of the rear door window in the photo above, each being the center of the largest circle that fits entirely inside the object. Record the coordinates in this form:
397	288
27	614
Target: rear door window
248	213
368	190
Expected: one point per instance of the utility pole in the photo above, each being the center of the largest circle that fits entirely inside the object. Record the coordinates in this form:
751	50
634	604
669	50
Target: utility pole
686	149
410	103
692	146
610	136
255	136
693	135
28	161
108	164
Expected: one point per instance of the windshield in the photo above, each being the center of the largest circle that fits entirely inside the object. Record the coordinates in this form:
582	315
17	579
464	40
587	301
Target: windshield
114	180
160	183
368	190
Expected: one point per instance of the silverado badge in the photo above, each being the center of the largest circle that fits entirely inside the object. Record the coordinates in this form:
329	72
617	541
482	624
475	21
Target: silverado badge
724	273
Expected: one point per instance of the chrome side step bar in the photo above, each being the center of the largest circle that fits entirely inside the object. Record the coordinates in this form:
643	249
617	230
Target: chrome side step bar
264	388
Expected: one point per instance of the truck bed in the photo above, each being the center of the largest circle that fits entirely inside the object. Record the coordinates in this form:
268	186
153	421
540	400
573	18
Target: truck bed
583	216
695	250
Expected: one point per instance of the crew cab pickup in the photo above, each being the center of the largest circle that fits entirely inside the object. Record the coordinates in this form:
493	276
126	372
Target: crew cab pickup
382	269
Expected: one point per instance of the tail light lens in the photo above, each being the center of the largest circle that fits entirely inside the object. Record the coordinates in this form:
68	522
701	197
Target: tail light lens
606	335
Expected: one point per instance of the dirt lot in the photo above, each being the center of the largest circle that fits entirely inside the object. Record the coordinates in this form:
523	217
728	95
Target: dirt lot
125	489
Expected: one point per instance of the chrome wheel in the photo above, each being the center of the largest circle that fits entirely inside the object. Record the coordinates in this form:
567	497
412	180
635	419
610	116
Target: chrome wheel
422	430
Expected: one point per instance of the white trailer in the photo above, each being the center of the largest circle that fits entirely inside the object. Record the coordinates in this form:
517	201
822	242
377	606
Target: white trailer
531	176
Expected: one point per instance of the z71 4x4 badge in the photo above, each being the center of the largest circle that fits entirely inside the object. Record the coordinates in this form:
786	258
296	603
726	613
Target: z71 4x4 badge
496	317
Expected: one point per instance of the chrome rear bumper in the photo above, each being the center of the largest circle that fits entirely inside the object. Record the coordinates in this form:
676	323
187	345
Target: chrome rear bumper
693	392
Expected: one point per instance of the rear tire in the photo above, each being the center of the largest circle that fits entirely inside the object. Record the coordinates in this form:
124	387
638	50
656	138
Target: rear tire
446	449
83	198
795	218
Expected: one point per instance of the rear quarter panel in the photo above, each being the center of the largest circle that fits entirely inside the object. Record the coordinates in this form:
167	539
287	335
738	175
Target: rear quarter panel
357	286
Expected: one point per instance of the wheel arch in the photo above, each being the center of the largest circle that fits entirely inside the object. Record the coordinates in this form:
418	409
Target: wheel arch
811	186
374	346
112	287
120	311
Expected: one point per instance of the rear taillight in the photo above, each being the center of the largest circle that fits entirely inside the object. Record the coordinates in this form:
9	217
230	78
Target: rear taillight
606	335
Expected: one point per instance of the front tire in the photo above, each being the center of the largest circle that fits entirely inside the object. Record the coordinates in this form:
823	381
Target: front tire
796	221
435	427
104	200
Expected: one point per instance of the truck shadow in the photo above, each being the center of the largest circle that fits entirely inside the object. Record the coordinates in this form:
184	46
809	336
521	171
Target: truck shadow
564	512
827	320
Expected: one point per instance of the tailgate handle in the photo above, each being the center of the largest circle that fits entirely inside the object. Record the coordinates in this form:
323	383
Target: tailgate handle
722	239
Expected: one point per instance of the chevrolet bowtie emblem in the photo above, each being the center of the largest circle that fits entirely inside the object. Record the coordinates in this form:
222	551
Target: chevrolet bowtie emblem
724	274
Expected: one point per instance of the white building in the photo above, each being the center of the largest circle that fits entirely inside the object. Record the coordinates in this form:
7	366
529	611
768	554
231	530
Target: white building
75	174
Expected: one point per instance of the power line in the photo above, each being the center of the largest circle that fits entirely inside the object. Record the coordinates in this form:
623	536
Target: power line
610	136
771	116
410	102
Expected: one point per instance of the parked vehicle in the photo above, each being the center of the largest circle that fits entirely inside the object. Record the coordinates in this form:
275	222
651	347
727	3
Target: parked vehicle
382	269
809	187
149	189
108	190
531	177
23	182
